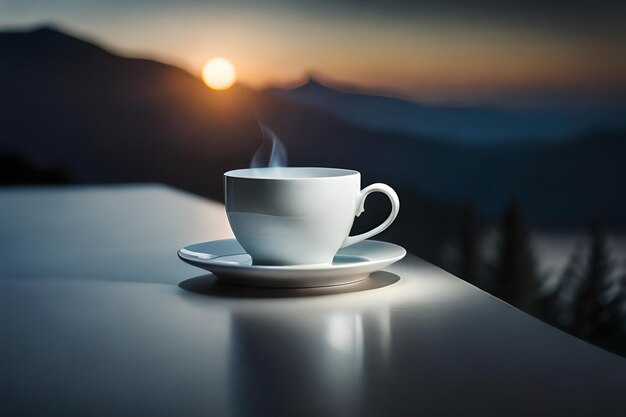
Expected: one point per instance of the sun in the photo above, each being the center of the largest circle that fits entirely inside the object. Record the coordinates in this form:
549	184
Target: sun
219	74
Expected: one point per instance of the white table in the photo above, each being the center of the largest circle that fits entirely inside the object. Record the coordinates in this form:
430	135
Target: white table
94	323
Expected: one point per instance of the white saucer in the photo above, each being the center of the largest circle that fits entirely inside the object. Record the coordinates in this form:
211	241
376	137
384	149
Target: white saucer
228	261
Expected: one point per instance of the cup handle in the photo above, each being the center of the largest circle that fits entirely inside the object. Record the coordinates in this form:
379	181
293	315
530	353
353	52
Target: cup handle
395	208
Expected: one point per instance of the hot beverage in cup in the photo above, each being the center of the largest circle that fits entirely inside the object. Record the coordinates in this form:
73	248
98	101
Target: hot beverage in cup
298	216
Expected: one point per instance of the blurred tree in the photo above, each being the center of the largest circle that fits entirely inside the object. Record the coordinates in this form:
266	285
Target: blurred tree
612	330
562	312
618	309
515	271
15	170
595	315
469	246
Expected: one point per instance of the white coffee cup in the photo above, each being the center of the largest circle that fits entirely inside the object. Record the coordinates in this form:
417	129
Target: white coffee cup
298	216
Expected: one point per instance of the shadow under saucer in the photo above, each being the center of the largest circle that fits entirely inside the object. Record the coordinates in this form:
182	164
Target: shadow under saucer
210	285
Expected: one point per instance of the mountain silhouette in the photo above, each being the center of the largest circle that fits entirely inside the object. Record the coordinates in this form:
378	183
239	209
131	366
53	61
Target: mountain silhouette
103	118
70	105
474	125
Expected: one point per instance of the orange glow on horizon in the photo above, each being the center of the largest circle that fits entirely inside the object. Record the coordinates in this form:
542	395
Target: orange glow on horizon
219	74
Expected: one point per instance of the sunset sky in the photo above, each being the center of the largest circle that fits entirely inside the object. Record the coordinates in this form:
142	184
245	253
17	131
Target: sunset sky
441	50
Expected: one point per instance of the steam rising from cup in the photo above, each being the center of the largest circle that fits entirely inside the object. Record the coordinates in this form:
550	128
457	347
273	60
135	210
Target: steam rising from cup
272	153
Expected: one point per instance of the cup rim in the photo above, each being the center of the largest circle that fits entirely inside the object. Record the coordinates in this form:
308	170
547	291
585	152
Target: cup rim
265	173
